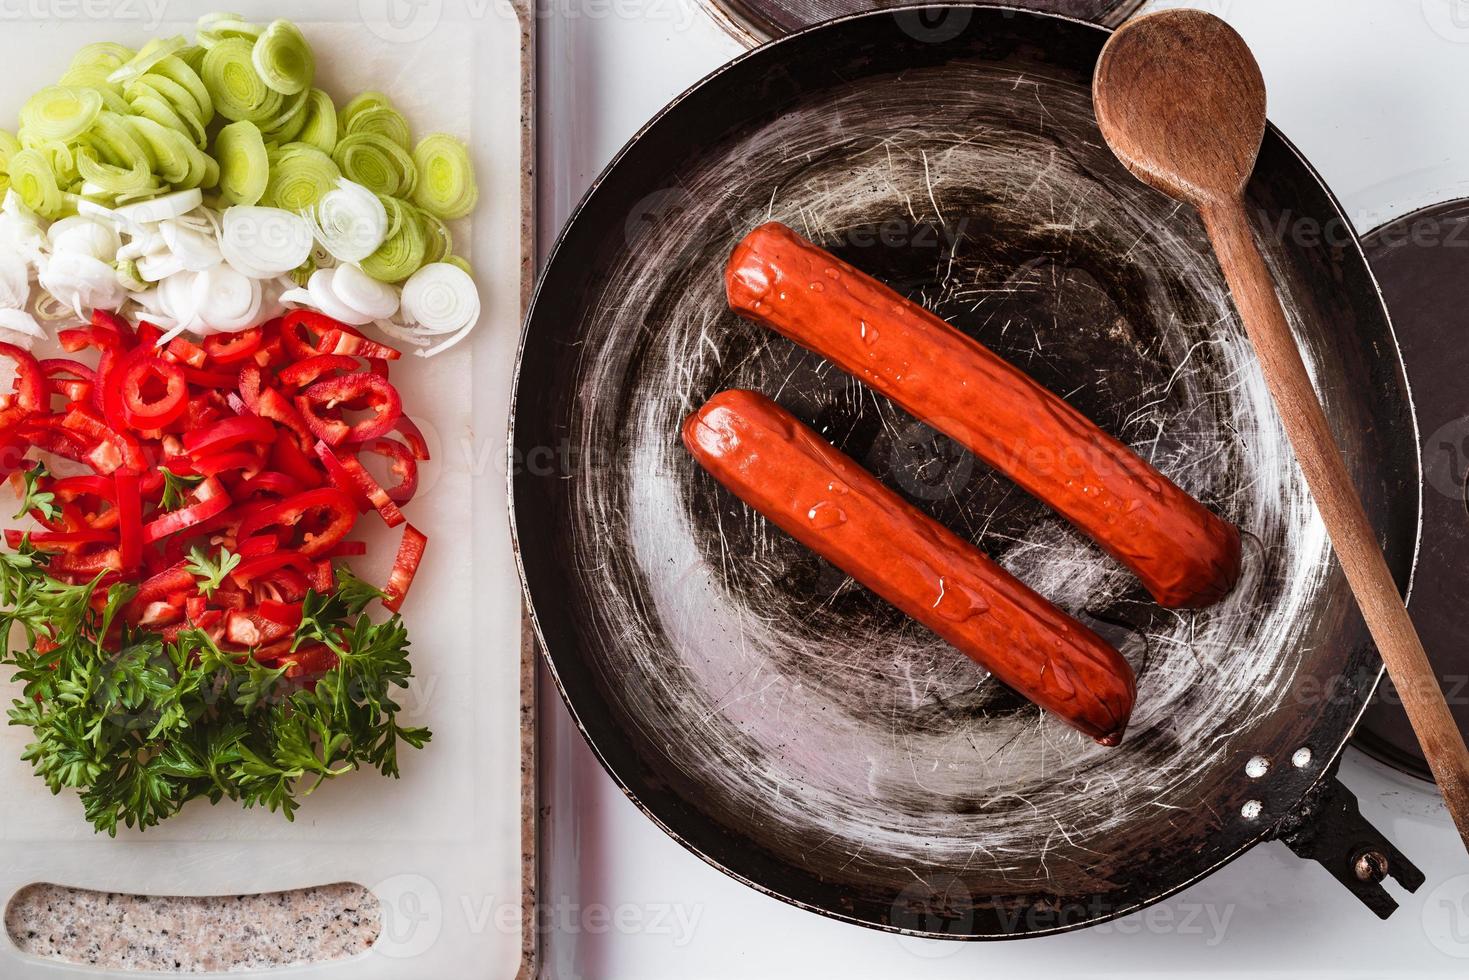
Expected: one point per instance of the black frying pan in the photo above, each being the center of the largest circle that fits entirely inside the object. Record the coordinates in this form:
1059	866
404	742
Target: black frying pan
780	721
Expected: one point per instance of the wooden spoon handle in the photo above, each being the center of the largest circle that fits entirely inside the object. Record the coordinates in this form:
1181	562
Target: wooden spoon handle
1341	509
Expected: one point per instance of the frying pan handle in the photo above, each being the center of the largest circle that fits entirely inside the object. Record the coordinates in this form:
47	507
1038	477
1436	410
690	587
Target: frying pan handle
1329	828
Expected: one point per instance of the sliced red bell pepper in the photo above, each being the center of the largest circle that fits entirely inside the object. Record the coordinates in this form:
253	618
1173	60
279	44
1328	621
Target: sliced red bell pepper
324	578
214	464
210	500
232	348
401	463
301	330
348	473
325	396
288	458
129	501
303	373
271	482
346	549
250	382
61	541
249	628
80	338
338	341
154	392
405	567
227	434
251	568
413	435
185	351
274	406
107	320
29	395
331	510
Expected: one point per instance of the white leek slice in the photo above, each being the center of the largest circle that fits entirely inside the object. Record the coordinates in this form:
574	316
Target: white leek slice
81	282
440	298
350	221
196	250
177	297
20	328
156	268
15	279
370	298
264	242
324	298
86	235
172	205
299	295
228	301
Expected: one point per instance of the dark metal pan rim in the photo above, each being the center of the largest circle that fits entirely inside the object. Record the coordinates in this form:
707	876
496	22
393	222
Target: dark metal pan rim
1329	761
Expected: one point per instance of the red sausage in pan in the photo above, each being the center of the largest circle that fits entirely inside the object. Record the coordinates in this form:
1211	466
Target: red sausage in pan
829	503
1184	554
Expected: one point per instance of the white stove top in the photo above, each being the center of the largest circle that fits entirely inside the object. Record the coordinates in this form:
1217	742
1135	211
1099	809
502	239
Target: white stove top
1373	92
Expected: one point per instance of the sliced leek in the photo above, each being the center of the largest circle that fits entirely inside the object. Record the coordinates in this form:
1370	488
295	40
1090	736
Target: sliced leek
319	128
60	112
243	164
283	59
446	187
299	175
375	162
238	91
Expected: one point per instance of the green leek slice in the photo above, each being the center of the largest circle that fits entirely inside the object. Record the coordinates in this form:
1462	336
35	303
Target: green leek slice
32	179
106	55
299	175
375	162
60	112
364	101
319	127
213	28
446	187
244	167
283	59
383	120
238	91
148	56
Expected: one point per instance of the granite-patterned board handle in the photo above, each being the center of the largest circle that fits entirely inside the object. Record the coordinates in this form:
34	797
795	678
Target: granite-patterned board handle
1181	101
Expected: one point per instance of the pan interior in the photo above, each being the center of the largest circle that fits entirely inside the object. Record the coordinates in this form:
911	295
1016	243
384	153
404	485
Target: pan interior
784	722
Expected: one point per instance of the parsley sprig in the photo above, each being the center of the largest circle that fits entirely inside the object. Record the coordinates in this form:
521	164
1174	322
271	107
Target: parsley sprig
35	499
140	725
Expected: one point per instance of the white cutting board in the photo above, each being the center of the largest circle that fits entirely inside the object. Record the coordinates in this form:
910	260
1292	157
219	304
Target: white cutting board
441	847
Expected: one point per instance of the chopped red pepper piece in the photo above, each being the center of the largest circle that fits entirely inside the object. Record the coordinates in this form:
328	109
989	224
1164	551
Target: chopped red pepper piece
231	348
338	341
352	477
401	463
331	510
251	568
129	502
210	500
154	392
303	373
325	396
227	434
405	566
30	387
186	352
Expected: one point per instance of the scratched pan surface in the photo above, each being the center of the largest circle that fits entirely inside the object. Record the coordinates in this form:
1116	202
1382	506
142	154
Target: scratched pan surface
779	720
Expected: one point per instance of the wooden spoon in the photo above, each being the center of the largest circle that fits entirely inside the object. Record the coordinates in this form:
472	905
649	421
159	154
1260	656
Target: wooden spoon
1181	102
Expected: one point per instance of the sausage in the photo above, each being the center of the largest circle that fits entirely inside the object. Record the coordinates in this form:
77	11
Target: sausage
1184	554
833	506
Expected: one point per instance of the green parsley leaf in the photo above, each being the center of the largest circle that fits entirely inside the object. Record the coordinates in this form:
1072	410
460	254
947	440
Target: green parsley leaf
43	501
177	488
211	573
